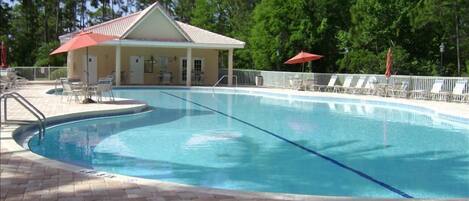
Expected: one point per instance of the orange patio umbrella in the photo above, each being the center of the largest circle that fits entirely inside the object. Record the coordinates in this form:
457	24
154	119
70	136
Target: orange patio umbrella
81	40
303	57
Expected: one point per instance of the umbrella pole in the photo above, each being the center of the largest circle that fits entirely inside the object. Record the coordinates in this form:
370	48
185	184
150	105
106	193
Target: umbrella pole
87	70
87	94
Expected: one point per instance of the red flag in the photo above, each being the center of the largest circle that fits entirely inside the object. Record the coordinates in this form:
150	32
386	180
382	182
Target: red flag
388	64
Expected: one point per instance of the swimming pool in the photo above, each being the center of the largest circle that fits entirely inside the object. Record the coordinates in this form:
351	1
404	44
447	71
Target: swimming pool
273	142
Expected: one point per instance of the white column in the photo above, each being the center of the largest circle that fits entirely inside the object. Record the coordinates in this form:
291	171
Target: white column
189	67
230	67
70	64
118	65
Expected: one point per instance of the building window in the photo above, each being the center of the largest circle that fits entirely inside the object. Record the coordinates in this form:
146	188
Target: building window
163	64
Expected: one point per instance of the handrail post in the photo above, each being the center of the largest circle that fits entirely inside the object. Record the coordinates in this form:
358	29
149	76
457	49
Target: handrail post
5	107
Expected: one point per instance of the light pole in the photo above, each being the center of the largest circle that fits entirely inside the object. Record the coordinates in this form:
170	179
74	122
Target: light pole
442	49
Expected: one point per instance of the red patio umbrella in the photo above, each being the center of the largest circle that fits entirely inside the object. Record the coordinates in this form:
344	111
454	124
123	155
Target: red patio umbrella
303	57
388	64
83	39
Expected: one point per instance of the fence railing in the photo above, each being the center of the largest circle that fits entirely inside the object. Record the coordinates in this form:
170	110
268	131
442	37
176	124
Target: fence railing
39	73
278	79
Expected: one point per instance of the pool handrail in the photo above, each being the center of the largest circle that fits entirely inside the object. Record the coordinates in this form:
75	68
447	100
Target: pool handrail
28	106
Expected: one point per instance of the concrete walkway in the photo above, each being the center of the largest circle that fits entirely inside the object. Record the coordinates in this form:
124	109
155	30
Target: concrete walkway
27	176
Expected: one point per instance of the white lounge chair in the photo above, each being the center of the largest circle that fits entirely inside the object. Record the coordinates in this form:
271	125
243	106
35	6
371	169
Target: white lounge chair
400	91
346	84
358	86
330	85
458	91
370	87
436	93
424	94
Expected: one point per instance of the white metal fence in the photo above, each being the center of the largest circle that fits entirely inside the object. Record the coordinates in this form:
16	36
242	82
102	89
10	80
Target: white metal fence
40	73
278	79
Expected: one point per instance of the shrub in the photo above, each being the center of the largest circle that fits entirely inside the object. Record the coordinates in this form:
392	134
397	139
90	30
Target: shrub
58	73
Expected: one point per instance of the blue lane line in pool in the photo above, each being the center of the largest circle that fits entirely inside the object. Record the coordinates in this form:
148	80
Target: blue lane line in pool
362	174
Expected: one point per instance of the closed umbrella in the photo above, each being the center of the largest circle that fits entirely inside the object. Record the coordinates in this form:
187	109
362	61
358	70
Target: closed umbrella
3	55
83	40
388	64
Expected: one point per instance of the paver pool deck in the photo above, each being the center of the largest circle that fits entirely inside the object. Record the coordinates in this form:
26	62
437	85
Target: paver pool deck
27	176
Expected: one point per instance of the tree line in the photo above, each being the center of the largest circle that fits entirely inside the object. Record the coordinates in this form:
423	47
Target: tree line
353	35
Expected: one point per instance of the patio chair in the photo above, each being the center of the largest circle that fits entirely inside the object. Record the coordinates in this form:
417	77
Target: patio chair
345	85
296	83
330	85
400	91
103	88
70	91
370	87
310	84
4	85
165	78
198	78
458	91
21	81
358	86
111	77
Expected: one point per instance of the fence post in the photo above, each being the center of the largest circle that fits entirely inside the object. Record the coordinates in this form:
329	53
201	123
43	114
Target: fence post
34	73
48	72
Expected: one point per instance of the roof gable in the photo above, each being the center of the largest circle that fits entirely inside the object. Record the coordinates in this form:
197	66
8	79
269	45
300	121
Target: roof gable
154	24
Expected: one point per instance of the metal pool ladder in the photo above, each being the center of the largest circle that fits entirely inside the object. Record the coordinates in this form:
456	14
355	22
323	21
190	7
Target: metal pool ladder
27	105
225	76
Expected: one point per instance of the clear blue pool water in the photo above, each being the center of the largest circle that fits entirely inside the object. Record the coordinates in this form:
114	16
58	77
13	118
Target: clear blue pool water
273	143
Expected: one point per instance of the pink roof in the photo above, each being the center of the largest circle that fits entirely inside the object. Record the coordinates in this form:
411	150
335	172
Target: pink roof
119	27
115	27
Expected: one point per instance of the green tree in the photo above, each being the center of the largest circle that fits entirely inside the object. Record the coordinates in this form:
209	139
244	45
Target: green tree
44	59
5	16
377	25
435	22
183	10
204	15
24	32
283	28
